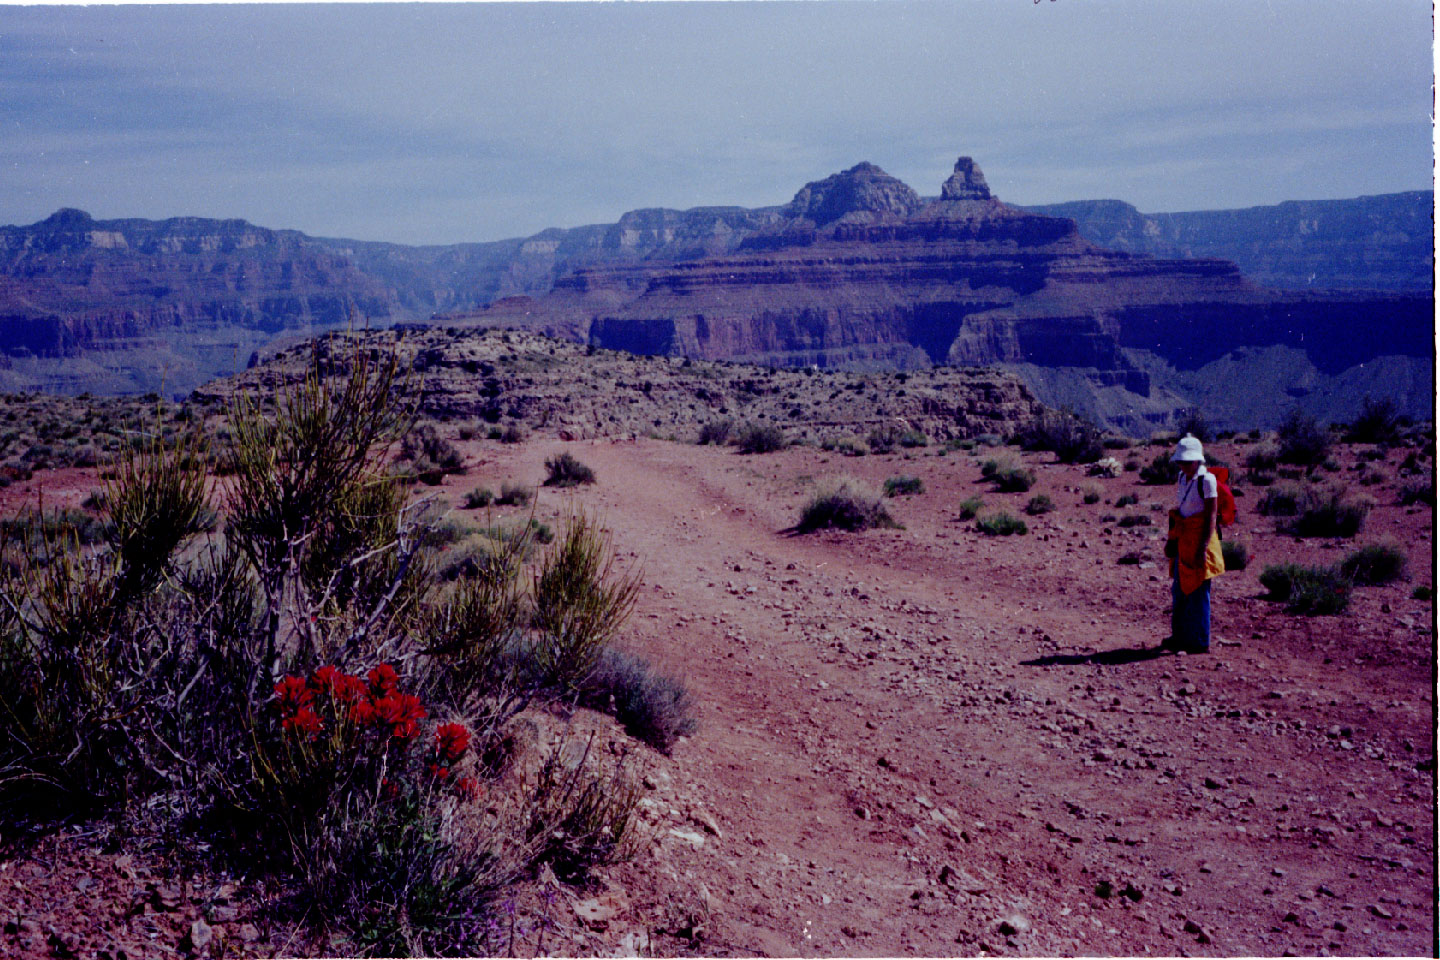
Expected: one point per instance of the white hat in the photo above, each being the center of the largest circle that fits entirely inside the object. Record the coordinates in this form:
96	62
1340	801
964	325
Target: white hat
1188	449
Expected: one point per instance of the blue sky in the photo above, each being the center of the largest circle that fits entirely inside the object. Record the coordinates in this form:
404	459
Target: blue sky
440	123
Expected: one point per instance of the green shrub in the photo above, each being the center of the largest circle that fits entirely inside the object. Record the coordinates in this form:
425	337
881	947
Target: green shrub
844	504
1001	524
1331	513
1374	564
910	439
566	471
1135	520
513	433
1379	421
1308	590
1302	440
1127	499
1007	475
514	494
478	498
1236	554
1116	443
1421	593
970	507
653	708
1159	470
1070	437
1419	491
903	486
1090	493
1282	500
715	432
1039	504
759	438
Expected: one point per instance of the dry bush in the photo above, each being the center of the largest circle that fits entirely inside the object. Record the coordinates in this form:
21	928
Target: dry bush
844	504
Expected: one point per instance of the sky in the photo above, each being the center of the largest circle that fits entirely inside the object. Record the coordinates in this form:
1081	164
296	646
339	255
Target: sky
444	123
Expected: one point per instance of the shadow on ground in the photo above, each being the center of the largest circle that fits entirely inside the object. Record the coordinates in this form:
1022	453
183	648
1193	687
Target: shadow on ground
1105	658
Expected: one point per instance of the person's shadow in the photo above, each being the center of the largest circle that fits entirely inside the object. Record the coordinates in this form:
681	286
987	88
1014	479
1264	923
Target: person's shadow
1104	658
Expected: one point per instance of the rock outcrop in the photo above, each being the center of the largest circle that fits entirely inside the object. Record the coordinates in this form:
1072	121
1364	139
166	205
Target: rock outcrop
856	275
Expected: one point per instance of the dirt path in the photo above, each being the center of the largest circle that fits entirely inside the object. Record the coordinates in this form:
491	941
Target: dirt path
909	744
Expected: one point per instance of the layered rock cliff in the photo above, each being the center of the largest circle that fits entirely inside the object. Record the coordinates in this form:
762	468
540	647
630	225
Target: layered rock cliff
857	273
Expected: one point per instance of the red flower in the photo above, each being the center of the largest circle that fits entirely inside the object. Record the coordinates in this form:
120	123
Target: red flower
437	771
389	788
468	788
451	741
363	713
305	721
323	679
292	694
383	680
403	712
349	689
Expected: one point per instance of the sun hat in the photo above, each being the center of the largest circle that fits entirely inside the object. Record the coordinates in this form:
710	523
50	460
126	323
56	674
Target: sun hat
1188	449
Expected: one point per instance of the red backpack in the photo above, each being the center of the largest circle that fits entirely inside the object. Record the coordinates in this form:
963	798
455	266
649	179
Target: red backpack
1225	497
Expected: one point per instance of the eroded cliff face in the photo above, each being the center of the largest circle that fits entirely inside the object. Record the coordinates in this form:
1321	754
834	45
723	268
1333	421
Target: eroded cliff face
857	272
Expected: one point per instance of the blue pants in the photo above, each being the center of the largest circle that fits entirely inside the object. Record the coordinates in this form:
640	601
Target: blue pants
1190	617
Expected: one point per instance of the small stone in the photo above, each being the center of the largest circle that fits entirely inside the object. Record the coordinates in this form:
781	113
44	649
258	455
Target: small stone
1381	912
1104	889
1013	925
863	813
689	836
706	822
201	933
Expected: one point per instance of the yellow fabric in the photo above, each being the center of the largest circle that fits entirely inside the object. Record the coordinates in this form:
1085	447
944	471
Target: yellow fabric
1185	533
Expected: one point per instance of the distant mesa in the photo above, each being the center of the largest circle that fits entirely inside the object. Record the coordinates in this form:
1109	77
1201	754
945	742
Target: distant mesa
863	189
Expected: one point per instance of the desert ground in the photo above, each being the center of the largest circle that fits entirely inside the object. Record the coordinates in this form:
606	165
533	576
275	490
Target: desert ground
926	741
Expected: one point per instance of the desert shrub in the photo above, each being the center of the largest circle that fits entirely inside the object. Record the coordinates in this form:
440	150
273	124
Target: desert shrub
564	470
1127	499
1194	423
1331	513
1090	493
849	447
1302	440
1374	564
715	432
844	504
1070	437
759	438
1379	421
514	494
653	708
1417	491
1039	504
1159	470
903	486
1116	443
1308	590
910	439
513	433
1135	520
1007	475
1421	593
1107	467
1001	524
1235	553
883	438
970	507
480	497
431	456
580	598
1282	500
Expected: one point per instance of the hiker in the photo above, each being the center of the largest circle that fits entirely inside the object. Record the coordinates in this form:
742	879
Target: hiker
1193	547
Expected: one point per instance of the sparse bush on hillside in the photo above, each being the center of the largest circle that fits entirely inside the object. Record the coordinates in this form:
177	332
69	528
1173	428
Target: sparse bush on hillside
903	486
759	438
1375	564
513	433
1090	493
1417	491
1159	470
1379	421
1302	441
844	504
514	494
1331	513
1127	499
1316	591
564	470
1007	475
1001	524
911	439
431	456
478	498
1282	500
715	432
1135	520
883	438
1039	504
970	507
1070	437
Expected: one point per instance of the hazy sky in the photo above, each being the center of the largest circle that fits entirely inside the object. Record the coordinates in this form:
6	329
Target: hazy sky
427	123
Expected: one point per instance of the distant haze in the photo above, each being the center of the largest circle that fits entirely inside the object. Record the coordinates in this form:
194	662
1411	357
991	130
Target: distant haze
446	123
